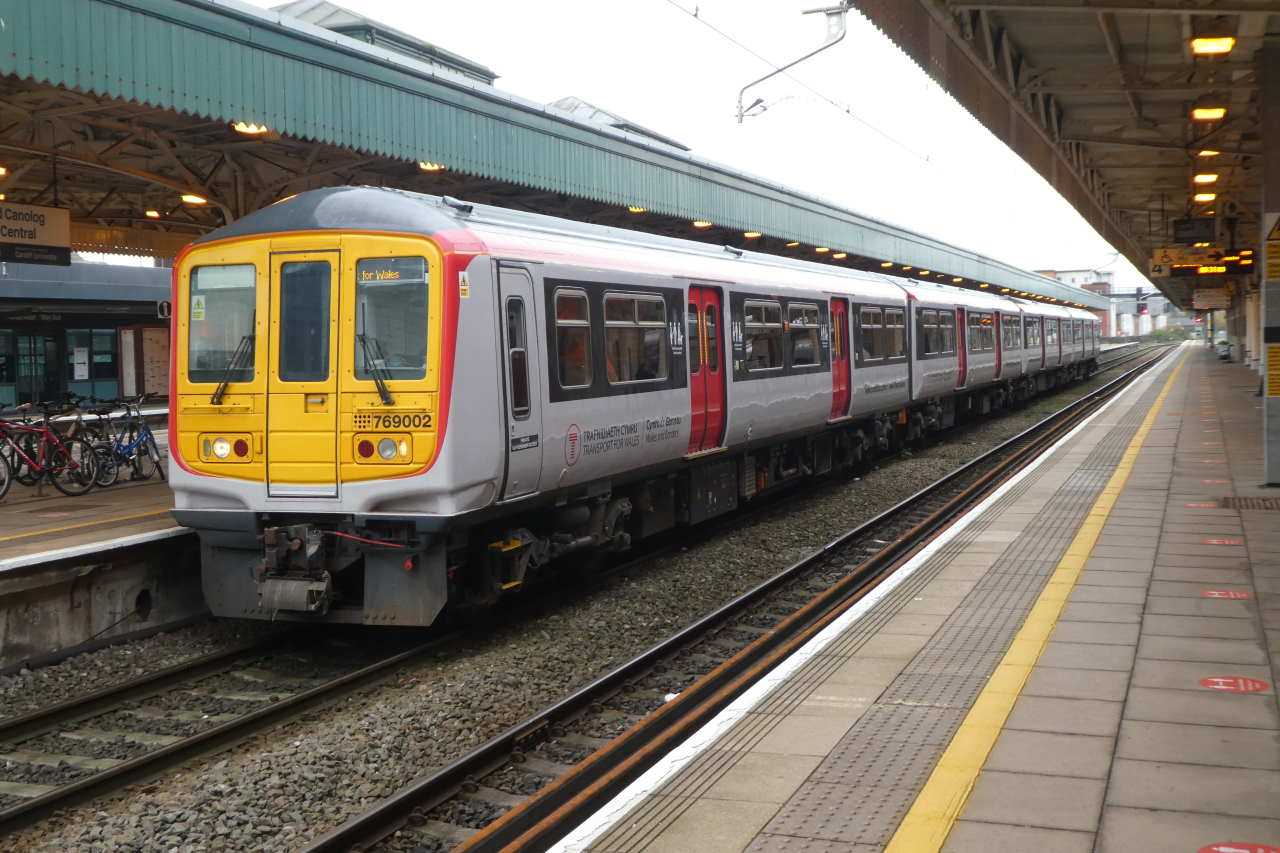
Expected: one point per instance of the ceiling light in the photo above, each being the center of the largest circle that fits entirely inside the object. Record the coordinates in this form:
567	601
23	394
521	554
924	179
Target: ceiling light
984	284
1246	251
752	235
4	170
1004	290
1205	178
1208	152
1204	196
634	209
1201	245
886	263
958	278
840	256
906	267
152	214
249	128
821	250
428	166
922	272
1209	46
1230	257
1246	261
792	245
192	198
1210	212
701	223
1208	113
2	196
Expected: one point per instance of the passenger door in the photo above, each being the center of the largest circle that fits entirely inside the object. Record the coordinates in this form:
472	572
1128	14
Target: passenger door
962	348
706	369
998	332
523	399
302	399
839	358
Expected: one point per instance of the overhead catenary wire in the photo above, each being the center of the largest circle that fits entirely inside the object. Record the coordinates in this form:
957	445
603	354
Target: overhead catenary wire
844	108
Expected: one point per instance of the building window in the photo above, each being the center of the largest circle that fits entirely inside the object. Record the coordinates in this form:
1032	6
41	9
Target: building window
635	338
8	369
573	339
762	322
91	363
803	325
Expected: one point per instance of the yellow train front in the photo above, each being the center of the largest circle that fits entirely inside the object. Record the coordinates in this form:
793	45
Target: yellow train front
309	354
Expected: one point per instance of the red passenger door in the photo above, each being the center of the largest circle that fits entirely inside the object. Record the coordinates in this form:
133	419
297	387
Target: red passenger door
999	341
962	349
839	358
706	369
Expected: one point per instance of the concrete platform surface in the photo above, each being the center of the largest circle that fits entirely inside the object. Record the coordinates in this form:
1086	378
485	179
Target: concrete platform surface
1089	664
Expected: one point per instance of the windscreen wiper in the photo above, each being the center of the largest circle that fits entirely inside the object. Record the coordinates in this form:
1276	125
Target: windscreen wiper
374	361
233	364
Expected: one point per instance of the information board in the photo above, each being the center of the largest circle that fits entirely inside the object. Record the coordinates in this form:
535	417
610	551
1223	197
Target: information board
31	234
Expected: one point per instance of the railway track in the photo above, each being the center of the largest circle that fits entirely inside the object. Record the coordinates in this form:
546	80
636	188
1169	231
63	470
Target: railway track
97	743
528	786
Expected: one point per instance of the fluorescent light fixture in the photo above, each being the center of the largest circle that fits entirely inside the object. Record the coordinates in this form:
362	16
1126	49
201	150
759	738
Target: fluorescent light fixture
428	166
1208	113
1205	178
701	223
152	214
1210	46
192	198
1203	197
634	209
752	235
821	250
886	263
792	245
840	256
1207	152
249	128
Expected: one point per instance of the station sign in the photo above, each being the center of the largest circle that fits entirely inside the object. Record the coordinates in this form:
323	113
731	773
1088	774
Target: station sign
1197	229
1209	299
1174	260
31	234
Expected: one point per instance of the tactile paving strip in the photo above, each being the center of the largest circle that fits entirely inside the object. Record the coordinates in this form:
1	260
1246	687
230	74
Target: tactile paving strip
861	790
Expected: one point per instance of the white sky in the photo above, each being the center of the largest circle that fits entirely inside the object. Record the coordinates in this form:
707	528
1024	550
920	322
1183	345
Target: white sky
896	148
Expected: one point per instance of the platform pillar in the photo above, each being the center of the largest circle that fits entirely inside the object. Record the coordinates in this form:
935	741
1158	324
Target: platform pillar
1269	104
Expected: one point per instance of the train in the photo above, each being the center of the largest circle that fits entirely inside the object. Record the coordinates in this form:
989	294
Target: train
384	403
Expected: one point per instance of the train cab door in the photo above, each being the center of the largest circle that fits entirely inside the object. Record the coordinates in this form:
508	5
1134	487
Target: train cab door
962	349
999	342
839	358
302	385
521	391
706	369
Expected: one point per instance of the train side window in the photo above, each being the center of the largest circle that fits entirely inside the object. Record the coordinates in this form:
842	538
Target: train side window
947	332
974	340
695	347
391	318
803	322
573	339
1010	333
635	338
871	333
518	358
1051	332
928	331
227	294
762	323
895	332
713	343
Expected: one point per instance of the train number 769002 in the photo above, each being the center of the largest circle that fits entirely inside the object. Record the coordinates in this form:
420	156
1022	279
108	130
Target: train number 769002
406	420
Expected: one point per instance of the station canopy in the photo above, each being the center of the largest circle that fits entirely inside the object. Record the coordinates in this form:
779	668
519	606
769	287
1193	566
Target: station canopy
1116	104
155	121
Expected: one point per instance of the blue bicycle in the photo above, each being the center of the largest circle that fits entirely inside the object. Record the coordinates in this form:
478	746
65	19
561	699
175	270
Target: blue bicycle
130	443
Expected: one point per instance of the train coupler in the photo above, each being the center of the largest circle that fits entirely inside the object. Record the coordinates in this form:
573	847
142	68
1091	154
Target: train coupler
291	575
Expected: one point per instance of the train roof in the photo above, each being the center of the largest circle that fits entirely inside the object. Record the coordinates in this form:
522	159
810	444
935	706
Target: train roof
497	229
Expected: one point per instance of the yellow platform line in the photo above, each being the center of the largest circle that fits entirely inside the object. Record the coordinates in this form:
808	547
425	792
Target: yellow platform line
940	803
82	524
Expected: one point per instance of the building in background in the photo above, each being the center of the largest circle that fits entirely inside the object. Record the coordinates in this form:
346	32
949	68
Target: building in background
1133	312
98	330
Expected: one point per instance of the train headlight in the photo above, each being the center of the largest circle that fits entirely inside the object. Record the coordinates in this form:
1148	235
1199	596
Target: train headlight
221	448
387	448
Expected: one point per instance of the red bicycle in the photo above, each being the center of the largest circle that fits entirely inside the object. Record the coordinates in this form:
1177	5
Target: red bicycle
30	451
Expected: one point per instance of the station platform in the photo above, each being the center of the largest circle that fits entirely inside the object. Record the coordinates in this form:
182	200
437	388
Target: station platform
1086	662
41	526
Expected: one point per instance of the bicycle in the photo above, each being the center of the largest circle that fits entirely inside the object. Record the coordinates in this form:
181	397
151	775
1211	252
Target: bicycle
68	463
131	444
